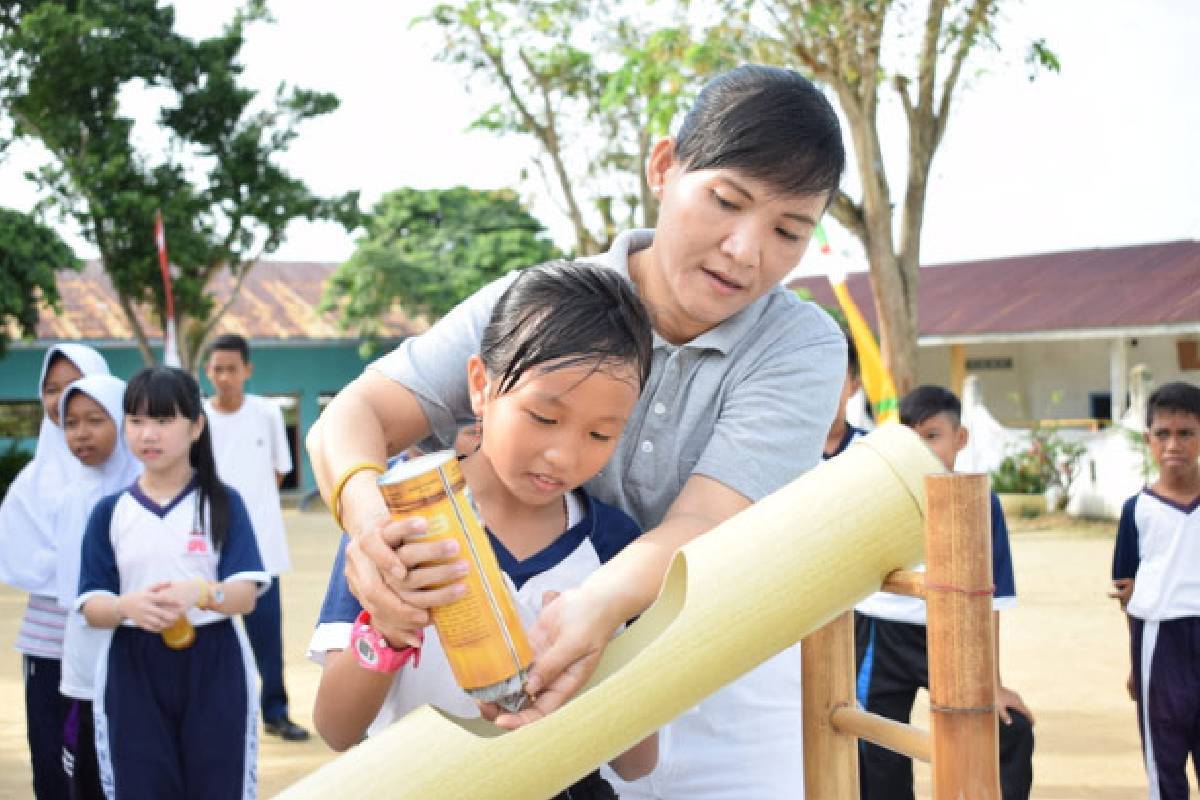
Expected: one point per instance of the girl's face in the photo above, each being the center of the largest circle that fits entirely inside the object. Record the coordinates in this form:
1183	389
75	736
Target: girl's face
553	430
723	240
61	374
91	432
161	443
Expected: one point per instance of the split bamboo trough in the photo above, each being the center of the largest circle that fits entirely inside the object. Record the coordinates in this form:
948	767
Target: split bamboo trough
762	581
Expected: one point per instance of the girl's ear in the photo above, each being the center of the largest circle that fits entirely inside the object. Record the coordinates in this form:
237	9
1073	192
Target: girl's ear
198	427
477	384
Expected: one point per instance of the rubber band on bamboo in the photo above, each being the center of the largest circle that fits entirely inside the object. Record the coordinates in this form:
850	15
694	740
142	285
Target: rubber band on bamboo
335	498
943	587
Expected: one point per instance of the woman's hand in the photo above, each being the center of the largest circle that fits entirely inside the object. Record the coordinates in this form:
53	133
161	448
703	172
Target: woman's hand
153	608
398	577
570	634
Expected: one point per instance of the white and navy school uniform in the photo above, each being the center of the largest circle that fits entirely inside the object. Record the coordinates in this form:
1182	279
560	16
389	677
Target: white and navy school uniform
172	723
1158	545
596	532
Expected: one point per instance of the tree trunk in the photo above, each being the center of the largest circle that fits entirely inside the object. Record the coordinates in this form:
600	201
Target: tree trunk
895	308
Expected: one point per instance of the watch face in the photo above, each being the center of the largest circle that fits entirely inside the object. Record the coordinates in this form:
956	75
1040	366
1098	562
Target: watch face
366	652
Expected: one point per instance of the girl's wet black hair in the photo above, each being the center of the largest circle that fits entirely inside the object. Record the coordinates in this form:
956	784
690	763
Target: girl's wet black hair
170	392
767	123
567	313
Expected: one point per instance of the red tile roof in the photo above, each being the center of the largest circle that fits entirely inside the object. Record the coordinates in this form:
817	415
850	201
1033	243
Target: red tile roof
1137	285
277	301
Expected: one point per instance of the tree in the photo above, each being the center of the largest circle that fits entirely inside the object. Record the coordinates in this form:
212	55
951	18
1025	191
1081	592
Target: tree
225	200
430	249
592	87
843	45
30	254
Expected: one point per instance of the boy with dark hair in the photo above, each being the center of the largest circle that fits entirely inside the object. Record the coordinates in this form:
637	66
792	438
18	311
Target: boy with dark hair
1156	572
841	432
890	634
250	444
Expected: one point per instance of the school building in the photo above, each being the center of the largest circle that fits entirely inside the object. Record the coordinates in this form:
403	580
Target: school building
301	357
1054	336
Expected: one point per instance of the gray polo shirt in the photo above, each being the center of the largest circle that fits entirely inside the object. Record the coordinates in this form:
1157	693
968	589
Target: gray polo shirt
747	403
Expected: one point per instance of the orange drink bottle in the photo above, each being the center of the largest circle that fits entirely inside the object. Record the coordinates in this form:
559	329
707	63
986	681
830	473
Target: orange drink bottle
180	634
481	632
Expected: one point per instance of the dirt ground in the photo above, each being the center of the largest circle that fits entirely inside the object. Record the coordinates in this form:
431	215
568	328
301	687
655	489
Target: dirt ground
1063	649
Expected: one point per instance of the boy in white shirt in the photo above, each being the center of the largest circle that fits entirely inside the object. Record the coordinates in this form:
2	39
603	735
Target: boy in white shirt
250	444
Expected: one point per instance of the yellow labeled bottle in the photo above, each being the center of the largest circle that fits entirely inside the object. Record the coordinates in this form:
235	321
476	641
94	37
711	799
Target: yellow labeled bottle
481	632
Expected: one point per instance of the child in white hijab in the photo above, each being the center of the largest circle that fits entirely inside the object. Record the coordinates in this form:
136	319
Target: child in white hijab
91	414
29	556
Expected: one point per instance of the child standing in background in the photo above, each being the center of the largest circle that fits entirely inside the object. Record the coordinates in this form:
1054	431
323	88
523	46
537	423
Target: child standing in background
1156	570
91	414
172	722
250	446
29	557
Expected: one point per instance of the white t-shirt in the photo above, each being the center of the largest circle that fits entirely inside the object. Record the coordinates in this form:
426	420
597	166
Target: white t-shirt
250	446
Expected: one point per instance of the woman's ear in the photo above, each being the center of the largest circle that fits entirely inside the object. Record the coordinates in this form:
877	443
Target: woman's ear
659	165
477	384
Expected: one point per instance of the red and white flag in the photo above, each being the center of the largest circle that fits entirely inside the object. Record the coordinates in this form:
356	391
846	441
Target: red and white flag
170	348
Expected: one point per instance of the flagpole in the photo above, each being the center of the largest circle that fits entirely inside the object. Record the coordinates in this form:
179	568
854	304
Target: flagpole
170	346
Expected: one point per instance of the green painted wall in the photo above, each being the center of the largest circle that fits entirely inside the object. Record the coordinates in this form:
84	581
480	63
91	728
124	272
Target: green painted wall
306	371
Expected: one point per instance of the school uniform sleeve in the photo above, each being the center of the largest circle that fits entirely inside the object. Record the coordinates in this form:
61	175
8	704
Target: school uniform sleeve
338	610
433	366
614	530
1127	555
1002	567
97	560
239	559
281	456
773	423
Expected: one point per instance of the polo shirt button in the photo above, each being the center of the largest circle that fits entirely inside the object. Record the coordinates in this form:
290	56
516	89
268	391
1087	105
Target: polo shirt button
660	408
647	446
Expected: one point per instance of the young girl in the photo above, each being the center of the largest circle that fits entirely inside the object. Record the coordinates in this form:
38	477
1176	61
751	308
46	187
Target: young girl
91	415
559	370
29	555
172	722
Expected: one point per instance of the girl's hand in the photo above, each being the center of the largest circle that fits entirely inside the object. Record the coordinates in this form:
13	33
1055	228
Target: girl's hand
398	578
186	594
151	609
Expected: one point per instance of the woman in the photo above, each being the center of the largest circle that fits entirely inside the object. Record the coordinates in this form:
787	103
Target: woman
743	387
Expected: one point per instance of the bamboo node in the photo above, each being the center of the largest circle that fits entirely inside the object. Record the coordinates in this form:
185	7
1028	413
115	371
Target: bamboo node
938	709
986	591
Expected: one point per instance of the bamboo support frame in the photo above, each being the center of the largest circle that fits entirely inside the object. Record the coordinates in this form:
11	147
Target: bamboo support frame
908	740
827	683
962	662
905	582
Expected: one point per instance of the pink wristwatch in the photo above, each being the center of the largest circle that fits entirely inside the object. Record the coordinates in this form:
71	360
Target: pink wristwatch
373	651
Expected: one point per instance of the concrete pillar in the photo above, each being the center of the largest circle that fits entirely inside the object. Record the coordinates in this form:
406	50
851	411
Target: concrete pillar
958	368
1118	375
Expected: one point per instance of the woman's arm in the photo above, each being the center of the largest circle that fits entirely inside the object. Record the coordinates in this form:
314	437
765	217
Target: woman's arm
638	760
348	699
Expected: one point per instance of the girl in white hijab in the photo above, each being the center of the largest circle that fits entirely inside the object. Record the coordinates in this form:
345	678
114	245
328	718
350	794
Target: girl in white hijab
91	413
29	556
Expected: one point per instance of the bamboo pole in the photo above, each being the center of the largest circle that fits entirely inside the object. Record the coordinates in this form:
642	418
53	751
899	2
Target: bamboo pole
905	582
827	683
746	590
898	737
962	688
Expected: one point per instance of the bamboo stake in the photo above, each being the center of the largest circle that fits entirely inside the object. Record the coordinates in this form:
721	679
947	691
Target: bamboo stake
905	582
898	737
962	689
830	758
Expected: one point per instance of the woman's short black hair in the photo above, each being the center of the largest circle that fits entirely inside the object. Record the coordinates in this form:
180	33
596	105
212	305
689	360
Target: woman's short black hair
1175	396
768	123
567	313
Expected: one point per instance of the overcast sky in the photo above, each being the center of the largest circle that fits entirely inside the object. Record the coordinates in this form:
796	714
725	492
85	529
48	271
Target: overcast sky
1103	154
